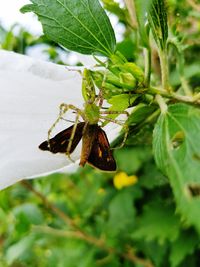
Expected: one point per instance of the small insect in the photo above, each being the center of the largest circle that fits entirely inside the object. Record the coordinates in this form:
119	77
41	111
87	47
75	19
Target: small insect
95	146
96	149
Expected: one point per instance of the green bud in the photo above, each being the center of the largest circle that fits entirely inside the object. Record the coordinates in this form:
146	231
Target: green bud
114	69
134	70
128	80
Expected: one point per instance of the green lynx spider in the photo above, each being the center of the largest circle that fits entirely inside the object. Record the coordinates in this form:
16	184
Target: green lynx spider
92	112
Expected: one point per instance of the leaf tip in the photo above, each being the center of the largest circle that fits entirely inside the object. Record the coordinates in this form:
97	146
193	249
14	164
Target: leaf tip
26	8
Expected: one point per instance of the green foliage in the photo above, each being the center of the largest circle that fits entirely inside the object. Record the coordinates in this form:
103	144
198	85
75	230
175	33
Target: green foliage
121	214
19	40
180	249
18	43
140	113
80	26
176	150
19	249
157	222
128	48
120	103
114	7
158	22
131	160
142	9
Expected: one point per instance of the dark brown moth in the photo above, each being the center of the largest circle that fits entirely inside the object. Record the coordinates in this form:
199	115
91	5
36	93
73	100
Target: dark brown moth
95	146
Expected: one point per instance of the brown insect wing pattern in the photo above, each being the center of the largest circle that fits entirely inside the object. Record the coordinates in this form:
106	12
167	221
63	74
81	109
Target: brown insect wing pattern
59	143
101	155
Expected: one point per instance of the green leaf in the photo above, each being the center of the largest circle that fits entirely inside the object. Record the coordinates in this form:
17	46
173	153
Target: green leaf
131	159
122	102
151	176
31	212
81	26
119	103
158	22
121	212
140	113
176	145
157	222
20	248
183	246
127	48
155	252
142	9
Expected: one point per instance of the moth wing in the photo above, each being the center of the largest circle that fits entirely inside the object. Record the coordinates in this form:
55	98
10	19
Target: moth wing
59	143
101	156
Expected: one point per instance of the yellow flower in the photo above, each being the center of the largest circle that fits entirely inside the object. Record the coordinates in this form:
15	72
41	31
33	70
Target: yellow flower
121	180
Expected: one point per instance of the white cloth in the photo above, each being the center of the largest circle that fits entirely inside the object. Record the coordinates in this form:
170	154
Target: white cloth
30	94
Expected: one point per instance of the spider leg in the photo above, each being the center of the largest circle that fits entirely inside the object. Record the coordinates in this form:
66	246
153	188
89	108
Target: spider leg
107	112
100	97
63	108
72	136
124	125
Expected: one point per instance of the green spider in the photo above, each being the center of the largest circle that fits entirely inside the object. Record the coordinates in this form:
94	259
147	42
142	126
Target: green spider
95	145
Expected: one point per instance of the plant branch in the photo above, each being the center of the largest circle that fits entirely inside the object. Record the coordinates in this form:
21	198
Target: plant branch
147	62
71	234
161	103
185	85
131	11
180	64
164	70
195	99
131	257
49	205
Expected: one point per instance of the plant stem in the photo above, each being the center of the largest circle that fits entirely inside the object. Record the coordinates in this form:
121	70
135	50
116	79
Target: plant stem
180	65
185	86
182	98
131	10
71	234
164	69
147	62
161	103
